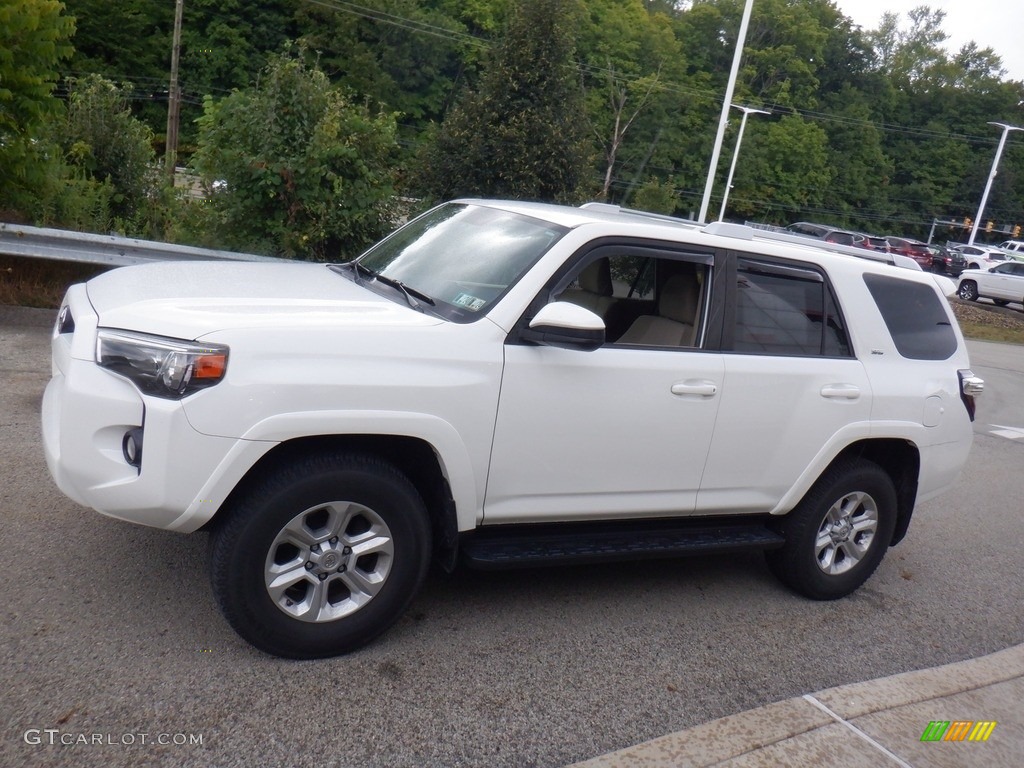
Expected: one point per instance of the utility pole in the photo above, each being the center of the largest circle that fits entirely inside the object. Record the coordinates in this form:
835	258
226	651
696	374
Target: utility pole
174	98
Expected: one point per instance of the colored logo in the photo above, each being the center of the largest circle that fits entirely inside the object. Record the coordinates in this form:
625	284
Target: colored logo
958	730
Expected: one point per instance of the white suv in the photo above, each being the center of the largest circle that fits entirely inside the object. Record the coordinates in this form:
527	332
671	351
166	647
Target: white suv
1013	247
508	384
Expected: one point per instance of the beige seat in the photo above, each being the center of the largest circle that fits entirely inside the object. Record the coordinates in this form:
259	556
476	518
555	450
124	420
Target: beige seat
595	289
675	325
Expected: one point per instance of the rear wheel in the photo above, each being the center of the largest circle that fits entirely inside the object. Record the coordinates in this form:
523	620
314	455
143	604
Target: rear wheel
1000	302
839	533
968	290
321	556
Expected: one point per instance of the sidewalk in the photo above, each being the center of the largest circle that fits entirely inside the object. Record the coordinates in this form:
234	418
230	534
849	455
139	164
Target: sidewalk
877	723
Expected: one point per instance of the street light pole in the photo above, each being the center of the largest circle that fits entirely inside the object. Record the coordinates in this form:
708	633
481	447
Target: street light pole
736	153
724	119
991	176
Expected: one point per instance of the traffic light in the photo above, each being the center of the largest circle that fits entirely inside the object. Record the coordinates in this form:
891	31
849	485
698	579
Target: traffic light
988	225
967	222
1016	231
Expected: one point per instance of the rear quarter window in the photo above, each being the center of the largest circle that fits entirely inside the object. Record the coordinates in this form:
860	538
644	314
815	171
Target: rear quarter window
917	320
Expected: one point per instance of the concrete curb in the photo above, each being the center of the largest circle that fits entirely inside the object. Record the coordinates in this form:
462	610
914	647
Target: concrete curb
879	722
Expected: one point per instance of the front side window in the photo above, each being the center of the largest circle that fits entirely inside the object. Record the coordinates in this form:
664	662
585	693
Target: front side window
461	257
786	311
645	297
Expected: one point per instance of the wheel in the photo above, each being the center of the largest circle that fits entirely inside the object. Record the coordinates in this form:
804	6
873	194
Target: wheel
968	290
839	532
1000	302
320	556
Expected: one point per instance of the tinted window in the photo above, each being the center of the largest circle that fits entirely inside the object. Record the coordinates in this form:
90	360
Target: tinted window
916	318
786	311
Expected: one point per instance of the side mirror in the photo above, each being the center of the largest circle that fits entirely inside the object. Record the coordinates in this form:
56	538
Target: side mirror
566	325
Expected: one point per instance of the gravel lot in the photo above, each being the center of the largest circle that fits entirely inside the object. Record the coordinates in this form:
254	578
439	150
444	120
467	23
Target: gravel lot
111	633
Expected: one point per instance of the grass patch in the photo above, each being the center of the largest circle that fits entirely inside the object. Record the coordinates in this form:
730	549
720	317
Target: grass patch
26	282
987	322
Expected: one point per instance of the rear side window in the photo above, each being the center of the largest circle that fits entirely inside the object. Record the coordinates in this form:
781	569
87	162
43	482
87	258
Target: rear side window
783	310
917	321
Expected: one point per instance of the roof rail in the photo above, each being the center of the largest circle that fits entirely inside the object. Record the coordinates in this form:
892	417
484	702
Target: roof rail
746	232
612	208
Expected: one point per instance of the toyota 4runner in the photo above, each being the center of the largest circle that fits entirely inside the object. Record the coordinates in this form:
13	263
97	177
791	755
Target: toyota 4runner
507	384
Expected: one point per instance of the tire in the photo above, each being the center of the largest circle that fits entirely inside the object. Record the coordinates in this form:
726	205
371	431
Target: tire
838	533
320	556
1000	302
968	290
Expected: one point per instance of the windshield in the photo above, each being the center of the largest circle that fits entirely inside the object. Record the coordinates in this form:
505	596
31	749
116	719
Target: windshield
461	256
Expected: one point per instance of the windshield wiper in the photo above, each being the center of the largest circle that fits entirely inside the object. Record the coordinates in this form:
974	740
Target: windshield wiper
355	267
411	294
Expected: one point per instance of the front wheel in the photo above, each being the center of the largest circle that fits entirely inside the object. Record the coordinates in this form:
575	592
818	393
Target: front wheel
838	534
968	290
320	556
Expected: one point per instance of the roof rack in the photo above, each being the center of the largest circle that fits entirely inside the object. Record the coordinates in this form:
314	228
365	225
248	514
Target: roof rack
746	232
612	208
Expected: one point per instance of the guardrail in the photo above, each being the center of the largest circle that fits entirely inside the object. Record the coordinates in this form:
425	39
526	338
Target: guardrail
108	250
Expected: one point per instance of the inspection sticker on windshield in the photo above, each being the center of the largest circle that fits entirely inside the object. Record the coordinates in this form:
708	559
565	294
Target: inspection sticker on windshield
469	302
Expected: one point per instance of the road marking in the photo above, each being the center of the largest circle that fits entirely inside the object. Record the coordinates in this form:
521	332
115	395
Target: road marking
857	731
1010	433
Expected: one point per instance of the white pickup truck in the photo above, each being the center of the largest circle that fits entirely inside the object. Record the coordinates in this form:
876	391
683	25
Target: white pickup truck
507	384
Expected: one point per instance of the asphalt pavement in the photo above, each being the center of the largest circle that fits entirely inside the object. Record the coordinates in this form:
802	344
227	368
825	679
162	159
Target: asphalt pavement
113	653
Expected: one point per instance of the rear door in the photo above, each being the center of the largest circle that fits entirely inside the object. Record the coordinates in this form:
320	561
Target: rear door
791	383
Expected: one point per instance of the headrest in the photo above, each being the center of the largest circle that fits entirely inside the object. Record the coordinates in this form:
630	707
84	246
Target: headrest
597	278
680	296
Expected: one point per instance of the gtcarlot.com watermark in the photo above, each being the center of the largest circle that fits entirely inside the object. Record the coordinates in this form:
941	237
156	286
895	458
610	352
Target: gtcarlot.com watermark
57	737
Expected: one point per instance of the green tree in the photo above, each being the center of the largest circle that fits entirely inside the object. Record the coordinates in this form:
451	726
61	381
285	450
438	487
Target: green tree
522	133
912	53
105	142
404	54
625	53
785	167
295	167
34	38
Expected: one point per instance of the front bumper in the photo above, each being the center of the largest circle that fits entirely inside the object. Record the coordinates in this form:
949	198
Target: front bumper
86	414
184	475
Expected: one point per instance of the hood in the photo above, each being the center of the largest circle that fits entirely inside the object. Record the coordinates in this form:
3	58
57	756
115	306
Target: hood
190	299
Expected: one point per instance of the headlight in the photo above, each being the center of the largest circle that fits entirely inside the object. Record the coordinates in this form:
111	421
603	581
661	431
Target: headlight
160	366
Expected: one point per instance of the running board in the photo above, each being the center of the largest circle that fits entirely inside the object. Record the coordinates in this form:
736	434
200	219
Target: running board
517	546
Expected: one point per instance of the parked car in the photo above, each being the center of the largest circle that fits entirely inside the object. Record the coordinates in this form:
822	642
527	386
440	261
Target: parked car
980	256
946	261
508	384
1013	248
810	229
915	249
874	243
1003	283
826	233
